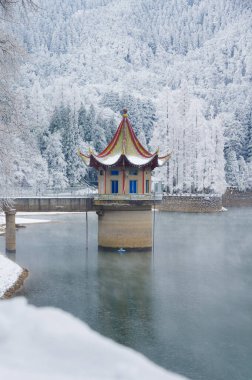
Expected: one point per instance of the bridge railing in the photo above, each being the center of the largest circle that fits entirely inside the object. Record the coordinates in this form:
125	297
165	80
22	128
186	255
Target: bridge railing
75	191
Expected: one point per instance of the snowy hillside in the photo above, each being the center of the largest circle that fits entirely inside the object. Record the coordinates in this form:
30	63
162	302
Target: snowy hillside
183	69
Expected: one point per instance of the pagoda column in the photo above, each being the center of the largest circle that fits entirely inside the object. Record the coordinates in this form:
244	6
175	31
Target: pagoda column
123	181
143	180
105	181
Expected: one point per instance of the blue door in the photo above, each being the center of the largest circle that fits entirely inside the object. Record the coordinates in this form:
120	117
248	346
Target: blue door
114	187
133	186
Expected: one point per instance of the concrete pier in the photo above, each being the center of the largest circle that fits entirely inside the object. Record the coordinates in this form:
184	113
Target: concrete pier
124	224
10	234
125	229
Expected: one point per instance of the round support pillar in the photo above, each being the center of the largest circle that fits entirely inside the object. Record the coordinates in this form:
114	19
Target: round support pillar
10	234
130	229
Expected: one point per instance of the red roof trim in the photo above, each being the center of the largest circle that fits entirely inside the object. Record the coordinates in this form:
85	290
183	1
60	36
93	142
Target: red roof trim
112	143
162	157
137	143
82	154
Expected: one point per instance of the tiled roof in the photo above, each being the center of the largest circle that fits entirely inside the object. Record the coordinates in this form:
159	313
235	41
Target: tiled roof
124	150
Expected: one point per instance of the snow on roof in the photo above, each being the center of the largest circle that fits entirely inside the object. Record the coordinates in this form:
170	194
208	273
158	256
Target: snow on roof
108	160
164	159
138	160
124	148
50	344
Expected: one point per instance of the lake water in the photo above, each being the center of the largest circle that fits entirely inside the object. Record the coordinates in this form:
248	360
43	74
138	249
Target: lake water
187	306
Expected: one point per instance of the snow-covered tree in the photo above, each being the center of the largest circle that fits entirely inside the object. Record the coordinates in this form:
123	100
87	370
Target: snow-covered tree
109	128
56	162
243	174
197	161
250	175
203	47
29	169
148	113
10	118
98	136
232	168
61	118
82	123
112	100
90	123
75	170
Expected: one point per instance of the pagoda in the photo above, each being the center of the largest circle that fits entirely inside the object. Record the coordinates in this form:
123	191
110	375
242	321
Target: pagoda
124	166
124	200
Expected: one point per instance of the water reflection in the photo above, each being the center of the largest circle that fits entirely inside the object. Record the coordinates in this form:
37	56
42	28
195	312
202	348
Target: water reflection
123	293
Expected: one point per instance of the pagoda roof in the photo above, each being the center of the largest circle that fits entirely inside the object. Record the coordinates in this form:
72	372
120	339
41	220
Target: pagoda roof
124	150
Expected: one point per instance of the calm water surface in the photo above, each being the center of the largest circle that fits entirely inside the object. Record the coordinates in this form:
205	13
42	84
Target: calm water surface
187	306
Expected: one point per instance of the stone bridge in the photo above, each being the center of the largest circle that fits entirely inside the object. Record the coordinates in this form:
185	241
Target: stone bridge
59	204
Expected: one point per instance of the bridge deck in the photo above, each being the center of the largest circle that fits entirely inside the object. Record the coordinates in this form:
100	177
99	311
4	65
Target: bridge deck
58	204
78	204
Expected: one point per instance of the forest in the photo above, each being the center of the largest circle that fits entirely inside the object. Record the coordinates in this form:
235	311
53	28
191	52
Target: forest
183	69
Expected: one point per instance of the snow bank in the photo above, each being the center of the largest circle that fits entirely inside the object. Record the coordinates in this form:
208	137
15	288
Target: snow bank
49	344
10	273
24	220
41	213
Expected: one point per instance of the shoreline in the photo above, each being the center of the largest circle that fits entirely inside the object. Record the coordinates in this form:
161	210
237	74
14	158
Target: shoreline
205	203
12	277
18	284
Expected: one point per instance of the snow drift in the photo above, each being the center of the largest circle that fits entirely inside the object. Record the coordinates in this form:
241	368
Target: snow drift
47	343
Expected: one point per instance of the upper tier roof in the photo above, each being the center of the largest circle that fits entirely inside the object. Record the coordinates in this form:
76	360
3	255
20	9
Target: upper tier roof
124	150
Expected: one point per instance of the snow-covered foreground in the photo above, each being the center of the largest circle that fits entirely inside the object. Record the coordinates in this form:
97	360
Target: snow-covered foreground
9	274
49	344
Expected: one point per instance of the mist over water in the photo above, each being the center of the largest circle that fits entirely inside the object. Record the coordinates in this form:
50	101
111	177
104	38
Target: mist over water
187	306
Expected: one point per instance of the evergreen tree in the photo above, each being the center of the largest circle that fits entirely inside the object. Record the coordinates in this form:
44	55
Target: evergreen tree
98	136
83	123
43	140
75	170
148	112
218	180
243	174
250	175
111	100
60	118
232	169
109	129
250	150
56	162
235	134
90	123
249	147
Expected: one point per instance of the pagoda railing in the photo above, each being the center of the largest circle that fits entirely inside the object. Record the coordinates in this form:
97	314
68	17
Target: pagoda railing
133	197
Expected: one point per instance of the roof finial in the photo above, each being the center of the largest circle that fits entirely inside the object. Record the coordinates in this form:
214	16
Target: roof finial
125	112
